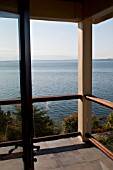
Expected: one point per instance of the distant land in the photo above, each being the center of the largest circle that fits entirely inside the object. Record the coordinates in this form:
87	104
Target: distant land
105	59
94	59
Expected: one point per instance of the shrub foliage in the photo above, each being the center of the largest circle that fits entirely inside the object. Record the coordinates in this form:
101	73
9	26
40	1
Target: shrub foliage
11	128
11	124
99	123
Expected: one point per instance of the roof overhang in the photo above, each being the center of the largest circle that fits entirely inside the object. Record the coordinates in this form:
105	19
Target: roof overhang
62	10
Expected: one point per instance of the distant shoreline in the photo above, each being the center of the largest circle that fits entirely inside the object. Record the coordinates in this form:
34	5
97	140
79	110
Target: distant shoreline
107	59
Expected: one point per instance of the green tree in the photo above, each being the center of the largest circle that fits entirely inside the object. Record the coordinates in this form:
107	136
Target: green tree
43	124
108	126
11	124
97	123
70	124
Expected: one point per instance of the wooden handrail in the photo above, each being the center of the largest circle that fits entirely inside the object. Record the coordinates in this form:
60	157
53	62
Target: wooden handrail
92	98
56	137
100	101
56	98
10	101
99	145
41	139
41	99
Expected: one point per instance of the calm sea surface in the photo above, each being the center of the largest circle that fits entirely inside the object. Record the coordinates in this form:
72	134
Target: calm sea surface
56	78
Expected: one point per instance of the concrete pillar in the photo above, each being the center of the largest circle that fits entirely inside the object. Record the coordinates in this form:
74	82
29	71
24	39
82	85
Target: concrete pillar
84	76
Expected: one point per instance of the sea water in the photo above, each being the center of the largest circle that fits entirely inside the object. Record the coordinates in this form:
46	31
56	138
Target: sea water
55	77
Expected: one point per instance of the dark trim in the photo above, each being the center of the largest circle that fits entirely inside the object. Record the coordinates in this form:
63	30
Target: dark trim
41	139
10	101
56	98
56	137
10	143
25	83
42	99
80	1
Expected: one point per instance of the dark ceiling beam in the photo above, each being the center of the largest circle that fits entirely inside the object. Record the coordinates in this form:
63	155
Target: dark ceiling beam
72	0
97	11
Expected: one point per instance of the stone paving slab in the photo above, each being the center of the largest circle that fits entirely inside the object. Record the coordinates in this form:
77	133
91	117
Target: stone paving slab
72	154
12	164
99	165
63	154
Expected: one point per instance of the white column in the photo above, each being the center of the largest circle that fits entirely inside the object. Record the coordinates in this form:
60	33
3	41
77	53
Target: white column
84	76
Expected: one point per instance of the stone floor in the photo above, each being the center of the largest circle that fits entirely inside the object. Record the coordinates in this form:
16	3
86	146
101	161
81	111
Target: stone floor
63	154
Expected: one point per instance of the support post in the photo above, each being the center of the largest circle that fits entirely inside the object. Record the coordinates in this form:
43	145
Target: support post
84	76
25	83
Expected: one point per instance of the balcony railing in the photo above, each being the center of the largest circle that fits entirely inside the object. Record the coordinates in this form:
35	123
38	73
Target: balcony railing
100	101
41	99
107	104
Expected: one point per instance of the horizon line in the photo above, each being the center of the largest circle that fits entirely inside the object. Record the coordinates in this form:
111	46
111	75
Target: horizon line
59	59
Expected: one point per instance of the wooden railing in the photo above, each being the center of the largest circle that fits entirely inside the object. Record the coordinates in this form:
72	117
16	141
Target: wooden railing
92	98
41	139
41	99
107	104
100	101
18	143
99	145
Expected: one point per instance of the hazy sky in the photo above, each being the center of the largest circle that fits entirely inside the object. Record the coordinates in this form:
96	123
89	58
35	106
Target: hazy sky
54	40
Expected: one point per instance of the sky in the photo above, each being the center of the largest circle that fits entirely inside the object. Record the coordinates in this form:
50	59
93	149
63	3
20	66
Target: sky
54	40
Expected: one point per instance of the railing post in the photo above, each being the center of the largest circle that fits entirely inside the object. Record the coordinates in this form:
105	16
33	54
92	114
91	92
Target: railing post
84	76
25	82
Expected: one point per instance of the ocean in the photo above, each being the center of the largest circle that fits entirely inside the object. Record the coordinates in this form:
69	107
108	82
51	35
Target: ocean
56	78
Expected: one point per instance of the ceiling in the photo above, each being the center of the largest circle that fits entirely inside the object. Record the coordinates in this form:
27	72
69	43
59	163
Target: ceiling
62	10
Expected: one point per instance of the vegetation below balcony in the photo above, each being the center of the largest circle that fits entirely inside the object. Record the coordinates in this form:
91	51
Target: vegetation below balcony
11	128
102	128
11	124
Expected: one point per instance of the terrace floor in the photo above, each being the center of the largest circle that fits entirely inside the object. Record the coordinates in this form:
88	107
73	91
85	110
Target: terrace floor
63	154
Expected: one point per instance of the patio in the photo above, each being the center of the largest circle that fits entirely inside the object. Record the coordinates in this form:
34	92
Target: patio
68	154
